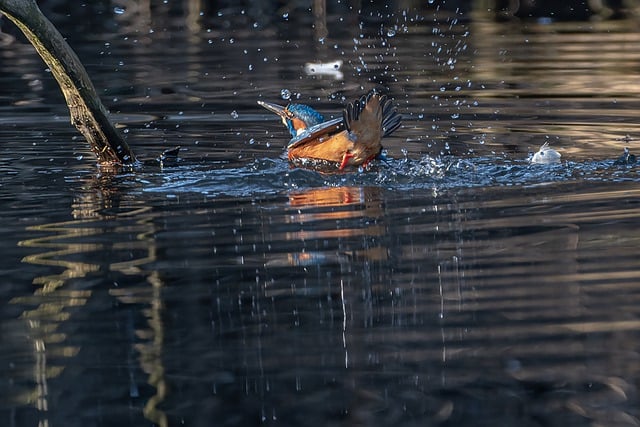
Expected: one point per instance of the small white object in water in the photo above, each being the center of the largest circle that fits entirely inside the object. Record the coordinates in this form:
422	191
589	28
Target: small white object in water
546	155
331	69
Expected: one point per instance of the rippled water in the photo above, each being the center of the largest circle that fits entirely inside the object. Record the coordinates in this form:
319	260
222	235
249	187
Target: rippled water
454	284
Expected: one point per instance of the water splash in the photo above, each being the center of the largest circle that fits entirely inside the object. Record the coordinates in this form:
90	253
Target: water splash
270	176
285	94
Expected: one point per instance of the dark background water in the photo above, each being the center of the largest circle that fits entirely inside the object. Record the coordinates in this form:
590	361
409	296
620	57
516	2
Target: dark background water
455	284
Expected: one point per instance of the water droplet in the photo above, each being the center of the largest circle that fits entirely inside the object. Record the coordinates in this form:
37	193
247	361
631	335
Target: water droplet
285	94
391	32
234	114
252	141
119	10
285	16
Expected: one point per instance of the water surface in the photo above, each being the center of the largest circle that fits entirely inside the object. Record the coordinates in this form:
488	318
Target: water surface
454	284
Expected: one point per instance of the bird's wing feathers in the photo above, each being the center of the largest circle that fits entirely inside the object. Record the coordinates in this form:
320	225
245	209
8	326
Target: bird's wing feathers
352	111
317	131
382	105
391	120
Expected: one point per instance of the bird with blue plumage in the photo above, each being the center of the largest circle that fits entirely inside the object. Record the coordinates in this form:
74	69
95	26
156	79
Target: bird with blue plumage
351	140
296	117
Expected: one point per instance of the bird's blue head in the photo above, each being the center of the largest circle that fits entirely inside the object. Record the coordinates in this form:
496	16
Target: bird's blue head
296	117
301	117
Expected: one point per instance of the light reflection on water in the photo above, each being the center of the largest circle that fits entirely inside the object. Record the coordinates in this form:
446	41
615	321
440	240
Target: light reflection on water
454	284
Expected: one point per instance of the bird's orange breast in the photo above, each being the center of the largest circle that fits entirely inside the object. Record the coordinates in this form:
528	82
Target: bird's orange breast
298	124
331	148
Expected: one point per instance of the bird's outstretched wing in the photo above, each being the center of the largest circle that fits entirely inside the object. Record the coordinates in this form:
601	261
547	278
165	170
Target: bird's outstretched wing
316	132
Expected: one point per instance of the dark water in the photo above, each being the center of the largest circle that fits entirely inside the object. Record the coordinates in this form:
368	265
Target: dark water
455	284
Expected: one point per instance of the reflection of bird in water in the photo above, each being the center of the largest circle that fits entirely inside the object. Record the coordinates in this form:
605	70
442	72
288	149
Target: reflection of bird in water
334	225
546	155
353	140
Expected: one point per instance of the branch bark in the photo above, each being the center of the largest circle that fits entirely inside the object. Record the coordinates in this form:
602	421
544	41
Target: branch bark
88	114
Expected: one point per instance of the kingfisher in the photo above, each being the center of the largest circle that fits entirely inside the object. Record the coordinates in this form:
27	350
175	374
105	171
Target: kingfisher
351	140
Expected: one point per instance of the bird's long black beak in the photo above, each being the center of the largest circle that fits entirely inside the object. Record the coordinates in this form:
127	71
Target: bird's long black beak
274	108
